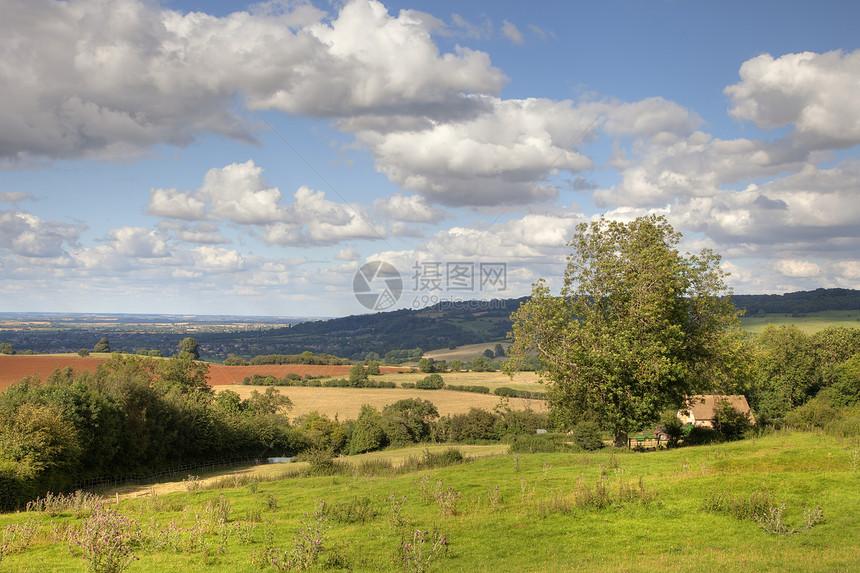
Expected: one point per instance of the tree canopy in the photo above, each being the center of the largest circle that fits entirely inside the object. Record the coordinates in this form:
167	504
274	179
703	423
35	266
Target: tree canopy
190	346
637	326
102	345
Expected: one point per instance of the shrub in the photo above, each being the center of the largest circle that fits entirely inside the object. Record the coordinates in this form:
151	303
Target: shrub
512	393
322	463
83	352
816	413
731	423
586	435
233	360
699	435
476	424
539	444
740	506
106	540
431	382
847	427
475	389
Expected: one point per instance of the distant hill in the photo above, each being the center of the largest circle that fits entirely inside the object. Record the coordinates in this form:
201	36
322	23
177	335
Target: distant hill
444	325
801	302
447	325
440	326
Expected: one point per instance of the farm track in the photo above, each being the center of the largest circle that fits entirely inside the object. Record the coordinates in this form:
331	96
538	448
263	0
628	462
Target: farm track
270	472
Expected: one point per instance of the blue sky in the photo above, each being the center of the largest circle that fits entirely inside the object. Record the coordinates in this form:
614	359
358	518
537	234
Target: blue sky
231	158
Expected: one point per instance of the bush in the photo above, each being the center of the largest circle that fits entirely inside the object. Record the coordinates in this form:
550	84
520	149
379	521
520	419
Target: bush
699	436
321	462
83	352
847	427
475	389
587	436
430	460
511	393
539	444
431	382
816	413
476	424
731	423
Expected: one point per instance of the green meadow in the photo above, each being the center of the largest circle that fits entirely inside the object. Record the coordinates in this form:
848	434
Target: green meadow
810	323
744	506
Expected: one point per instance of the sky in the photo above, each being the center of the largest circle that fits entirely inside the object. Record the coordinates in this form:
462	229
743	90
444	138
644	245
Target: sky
292	158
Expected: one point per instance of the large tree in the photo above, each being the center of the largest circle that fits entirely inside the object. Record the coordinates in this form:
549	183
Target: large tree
190	346
102	345
637	327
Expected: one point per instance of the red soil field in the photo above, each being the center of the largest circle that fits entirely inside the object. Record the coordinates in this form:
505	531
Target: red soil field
13	368
220	375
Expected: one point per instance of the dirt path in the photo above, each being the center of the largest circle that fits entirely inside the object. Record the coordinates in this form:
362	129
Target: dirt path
279	471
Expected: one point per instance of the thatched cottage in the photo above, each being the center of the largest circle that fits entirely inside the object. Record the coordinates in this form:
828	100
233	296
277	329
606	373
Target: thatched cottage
701	410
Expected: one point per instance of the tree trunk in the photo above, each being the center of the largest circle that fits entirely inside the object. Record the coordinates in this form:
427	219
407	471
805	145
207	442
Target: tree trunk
620	439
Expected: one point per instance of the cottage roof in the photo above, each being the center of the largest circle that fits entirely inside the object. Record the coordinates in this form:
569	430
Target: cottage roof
703	406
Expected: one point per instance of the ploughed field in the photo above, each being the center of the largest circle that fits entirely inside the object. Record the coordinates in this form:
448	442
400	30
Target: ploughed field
220	375
344	402
13	368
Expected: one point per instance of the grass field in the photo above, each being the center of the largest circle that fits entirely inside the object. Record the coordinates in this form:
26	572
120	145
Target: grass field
465	352
809	323
346	402
513	512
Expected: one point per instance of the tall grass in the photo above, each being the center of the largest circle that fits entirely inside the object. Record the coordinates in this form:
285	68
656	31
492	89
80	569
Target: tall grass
733	507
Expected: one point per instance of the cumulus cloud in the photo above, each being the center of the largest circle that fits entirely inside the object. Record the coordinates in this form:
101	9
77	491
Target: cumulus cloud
110	79
201	233
29	236
347	254
696	166
813	211
137	242
502	156
314	220
237	192
796	268
815	93
409	208
174	204
215	259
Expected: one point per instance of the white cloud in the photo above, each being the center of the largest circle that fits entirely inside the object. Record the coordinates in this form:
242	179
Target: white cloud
29	236
112	78
512	33
848	272
201	233
237	192
811	211
347	254
14	196
137	242
695	166
314	220
499	157
815	93
798	269
217	260
410	208
174	204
